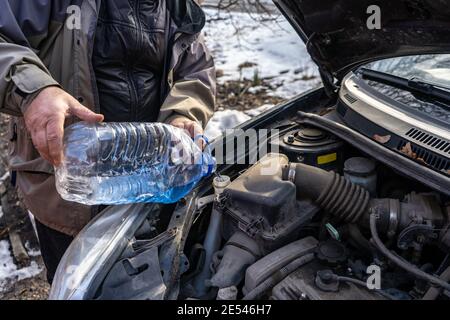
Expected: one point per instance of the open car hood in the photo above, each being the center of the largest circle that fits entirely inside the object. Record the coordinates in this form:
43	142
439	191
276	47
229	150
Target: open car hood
338	38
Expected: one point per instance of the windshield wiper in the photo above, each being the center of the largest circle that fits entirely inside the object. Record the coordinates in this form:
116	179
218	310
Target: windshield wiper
413	85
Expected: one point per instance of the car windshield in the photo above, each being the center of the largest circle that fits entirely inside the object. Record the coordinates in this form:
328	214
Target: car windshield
433	69
430	68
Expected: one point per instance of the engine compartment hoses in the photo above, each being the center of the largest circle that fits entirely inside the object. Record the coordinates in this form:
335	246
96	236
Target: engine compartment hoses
434	292
274	279
211	245
358	238
364	285
410	268
329	190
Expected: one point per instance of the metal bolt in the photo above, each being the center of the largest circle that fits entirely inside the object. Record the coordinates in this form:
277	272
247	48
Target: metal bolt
420	238
290	138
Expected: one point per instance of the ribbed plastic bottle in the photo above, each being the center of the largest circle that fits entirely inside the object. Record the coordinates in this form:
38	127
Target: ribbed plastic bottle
121	163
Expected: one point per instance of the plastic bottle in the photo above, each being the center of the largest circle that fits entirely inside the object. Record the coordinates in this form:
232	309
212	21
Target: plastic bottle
120	163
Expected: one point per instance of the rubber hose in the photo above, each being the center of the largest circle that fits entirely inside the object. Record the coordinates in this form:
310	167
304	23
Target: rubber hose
408	267
364	285
433	293
273	280
330	191
358	238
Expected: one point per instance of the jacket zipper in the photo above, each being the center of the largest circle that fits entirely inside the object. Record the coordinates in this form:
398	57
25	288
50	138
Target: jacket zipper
139	35
134	98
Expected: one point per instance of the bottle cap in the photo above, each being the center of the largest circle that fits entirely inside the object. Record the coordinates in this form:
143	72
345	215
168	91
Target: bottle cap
207	158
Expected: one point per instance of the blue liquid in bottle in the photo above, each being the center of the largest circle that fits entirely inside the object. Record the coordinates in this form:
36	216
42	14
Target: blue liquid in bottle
121	163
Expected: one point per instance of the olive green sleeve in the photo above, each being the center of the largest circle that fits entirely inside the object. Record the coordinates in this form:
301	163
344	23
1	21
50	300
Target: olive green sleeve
22	74
193	86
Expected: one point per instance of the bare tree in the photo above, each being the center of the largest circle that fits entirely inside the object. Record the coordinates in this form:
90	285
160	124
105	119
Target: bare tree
261	10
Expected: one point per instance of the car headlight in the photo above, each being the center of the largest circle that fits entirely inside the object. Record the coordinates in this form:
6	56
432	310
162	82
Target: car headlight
99	243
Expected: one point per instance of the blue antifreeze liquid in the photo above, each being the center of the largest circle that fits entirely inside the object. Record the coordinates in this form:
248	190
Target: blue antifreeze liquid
120	163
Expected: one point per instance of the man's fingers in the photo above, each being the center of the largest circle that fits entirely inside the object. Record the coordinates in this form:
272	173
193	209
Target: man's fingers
182	125
39	138
55	133
178	124
45	117
195	130
84	113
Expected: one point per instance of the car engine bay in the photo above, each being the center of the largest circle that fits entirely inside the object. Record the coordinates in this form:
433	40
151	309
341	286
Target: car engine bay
322	224
330	211
347	201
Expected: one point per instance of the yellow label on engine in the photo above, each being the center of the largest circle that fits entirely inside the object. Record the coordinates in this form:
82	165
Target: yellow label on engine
327	158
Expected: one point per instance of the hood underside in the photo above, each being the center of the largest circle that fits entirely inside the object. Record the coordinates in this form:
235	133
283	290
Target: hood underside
338	37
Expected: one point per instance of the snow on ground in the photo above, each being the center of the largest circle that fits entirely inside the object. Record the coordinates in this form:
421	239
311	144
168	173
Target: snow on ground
222	120
228	119
267	49
8	270
32	252
244	46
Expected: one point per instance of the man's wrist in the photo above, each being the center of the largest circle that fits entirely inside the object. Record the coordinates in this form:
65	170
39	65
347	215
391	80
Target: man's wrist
174	117
27	98
179	117
28	81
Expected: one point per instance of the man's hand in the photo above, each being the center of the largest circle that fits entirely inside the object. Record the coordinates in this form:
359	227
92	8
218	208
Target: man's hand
44	119
193	128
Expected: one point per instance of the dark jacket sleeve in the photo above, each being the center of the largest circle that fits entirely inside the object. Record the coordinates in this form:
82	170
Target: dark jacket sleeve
22	25
193	91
